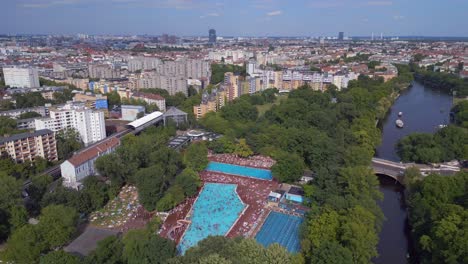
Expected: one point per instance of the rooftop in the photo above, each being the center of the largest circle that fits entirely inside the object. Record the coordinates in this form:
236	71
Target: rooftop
147	118
149	96
94	151
26	135
174	111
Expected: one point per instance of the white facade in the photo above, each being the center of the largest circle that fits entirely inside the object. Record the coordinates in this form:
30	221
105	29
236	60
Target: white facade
21	77
81	165
89	123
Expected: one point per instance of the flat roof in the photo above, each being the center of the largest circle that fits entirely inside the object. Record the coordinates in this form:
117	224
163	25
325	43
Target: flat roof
147	118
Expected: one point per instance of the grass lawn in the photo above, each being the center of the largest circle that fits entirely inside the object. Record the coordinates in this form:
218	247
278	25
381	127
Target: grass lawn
263	108
118	211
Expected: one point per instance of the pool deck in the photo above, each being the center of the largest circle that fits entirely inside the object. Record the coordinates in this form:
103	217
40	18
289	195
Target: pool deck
259	162
252	192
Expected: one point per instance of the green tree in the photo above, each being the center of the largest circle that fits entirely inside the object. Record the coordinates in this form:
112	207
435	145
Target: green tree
276	254
18	217
68	141
108	251
36	191
213	259
412	176
189	180
57	224
140	246
454	143
113	167
322	228
24	245
59	257
29	115
196	156
242	149
359	235
288	167
420	148
222	145
97	192
151	184
113	98
331	252
418	57
172	197
10	191
7	125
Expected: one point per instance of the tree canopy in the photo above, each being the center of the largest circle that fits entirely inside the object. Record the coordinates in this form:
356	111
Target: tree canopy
438	215
447	144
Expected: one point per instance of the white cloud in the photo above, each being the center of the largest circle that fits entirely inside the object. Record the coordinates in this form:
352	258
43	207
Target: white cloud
326	4
44	4
379	3
214	14
275	13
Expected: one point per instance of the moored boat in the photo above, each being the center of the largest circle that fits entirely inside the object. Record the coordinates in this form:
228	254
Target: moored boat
399	123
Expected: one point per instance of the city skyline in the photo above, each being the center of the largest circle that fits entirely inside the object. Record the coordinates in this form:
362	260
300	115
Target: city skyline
243	18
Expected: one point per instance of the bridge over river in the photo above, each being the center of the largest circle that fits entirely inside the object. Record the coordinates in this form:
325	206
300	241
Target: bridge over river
396	170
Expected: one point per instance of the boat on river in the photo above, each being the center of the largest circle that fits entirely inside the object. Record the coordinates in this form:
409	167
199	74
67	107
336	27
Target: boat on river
400	114
399	123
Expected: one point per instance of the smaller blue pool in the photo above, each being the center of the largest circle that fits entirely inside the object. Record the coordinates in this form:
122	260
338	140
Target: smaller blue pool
240	170
282	229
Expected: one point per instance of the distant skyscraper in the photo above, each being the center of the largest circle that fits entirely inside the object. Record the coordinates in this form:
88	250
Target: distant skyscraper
212	36
340	36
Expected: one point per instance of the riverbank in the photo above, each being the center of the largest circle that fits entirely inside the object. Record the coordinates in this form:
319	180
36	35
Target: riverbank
417	103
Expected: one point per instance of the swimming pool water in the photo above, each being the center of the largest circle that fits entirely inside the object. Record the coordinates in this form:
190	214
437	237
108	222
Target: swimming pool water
282	229
217	208
240	170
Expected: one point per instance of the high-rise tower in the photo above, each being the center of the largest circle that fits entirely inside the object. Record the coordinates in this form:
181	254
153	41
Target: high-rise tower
212	36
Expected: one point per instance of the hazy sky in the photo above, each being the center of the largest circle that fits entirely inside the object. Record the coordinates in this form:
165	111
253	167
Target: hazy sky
236	17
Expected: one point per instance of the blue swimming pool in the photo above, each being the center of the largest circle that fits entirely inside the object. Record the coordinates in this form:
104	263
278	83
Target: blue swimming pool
282	229
240	170
217	208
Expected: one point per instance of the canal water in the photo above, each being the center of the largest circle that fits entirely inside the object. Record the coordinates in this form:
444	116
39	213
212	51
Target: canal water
423	109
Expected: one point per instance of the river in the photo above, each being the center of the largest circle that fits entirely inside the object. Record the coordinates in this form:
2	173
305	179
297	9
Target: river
424	109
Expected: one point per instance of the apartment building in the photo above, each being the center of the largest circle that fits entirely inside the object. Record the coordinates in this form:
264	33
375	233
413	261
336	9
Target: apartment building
152	99
21	77
172	84
232	83
210	102
103	71
93	101
188	68
143	63
27	146
89	123
15	113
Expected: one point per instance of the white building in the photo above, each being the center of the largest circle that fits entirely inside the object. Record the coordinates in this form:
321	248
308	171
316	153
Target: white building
130	112
89	123
81	165
21	77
